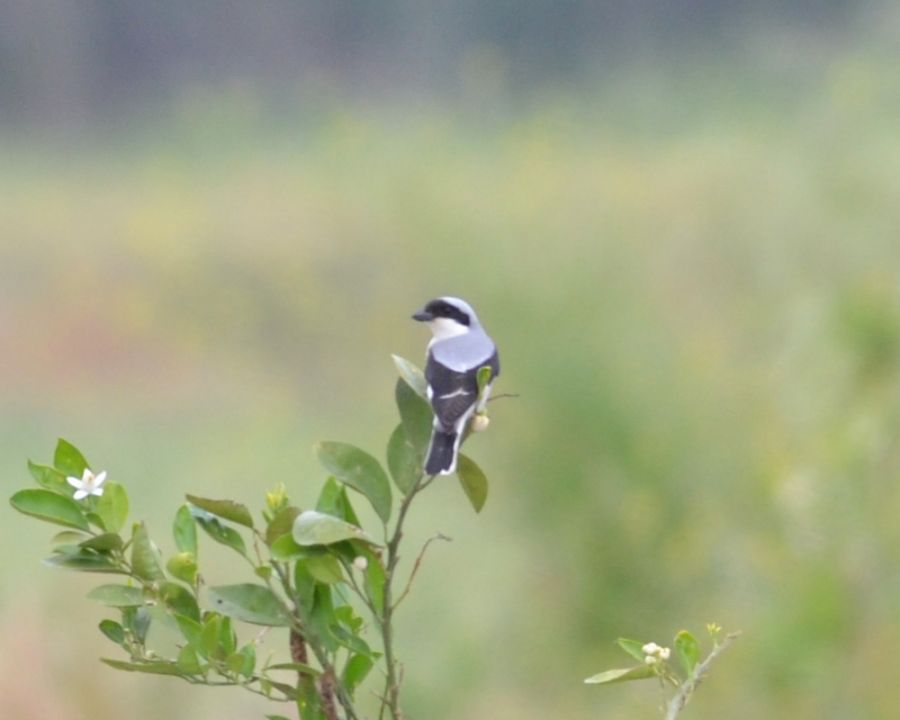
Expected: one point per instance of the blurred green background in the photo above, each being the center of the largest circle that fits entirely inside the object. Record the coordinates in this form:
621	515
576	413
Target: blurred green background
678	220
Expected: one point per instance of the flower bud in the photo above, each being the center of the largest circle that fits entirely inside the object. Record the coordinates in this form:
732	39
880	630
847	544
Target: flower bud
480	422
360	563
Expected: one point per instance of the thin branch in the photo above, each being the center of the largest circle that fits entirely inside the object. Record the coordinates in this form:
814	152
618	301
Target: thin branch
677	703
501	396
412	575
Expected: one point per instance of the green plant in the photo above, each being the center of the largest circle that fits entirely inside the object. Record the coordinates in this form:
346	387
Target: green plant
654	663
316	573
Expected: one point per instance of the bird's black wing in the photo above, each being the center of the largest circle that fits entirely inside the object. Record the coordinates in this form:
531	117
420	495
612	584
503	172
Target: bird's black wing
452	393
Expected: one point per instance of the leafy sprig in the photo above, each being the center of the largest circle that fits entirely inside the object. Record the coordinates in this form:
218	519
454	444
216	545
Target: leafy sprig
317	574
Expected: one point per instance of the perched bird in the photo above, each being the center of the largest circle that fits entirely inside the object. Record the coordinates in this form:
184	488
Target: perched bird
459	348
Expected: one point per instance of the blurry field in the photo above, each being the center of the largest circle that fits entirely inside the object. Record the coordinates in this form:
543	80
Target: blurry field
695	292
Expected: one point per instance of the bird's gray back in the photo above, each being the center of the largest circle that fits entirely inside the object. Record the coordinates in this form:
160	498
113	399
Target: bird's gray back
464	352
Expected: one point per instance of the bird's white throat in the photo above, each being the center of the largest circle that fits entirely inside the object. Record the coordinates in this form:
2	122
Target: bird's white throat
443	328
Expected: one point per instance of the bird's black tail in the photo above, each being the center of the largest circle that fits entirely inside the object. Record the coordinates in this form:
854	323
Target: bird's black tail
442	453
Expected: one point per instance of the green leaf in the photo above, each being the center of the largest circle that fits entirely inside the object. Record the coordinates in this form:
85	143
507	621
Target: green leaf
151	668
217	531
359	470
179	600
227	637
281	524
314	528
304	586
416	416
117	595
286	548
113	631
632	647
183	566
333	500
137	620
225	509
145	560
93	518
356	670
68	459
209	636
322	616
50	507
404	463
483	378
103	543
85	561
350	641
243	662
249	603
688	650
112	507
411	374
295	667
473	480
639	672
188	663
50	478
68	537
325	568
184	529
191	629
374	579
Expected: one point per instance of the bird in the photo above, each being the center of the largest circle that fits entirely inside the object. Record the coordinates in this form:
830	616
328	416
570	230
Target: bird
458	349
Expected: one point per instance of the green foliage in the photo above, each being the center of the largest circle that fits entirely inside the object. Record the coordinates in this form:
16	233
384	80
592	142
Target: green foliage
360	471
654	663
250	603
50	507
314	570
473	481
68	459
688	650
225	509
415	416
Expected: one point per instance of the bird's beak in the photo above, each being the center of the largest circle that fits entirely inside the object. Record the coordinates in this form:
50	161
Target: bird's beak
423	316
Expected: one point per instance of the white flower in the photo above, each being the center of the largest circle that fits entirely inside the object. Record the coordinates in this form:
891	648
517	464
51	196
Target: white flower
360	563
88	484
650	660
650	649
664	653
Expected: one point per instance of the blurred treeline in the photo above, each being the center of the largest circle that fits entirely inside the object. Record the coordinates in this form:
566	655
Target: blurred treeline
680	226
71	63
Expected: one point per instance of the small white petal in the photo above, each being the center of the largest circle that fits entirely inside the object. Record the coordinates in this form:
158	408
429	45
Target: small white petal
80	494
87	476
74	482
98	491
100	479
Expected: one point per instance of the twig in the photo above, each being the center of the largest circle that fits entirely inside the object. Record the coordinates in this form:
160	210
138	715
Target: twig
502	395
677	703
412	575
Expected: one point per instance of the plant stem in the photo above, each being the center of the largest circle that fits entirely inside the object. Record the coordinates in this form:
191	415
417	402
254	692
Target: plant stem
677	703
391	698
